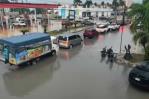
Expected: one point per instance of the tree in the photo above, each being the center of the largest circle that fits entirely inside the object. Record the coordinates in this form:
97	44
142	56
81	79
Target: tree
20	10
77	2
145	1
108	4
88	3
24	31
103	3
4	1
95	4
122	3
115	4
140	15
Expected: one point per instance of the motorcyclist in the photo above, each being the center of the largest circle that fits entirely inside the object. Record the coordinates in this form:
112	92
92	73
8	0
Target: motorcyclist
110	52
104	50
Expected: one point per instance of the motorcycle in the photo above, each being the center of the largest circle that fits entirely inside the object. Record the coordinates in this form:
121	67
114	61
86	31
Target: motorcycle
103	53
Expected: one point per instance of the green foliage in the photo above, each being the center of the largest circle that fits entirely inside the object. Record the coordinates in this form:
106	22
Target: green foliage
88	3
40	10
140	15
24	31
102	3
77	2
115	4
20	10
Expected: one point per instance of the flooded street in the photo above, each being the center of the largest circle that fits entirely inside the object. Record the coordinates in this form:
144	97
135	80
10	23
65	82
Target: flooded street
78	73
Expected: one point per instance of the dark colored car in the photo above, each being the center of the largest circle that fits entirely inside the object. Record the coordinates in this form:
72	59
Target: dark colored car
90	33
139	76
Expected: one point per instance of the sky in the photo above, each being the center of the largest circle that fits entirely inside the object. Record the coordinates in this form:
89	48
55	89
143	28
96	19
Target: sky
63	1
68	1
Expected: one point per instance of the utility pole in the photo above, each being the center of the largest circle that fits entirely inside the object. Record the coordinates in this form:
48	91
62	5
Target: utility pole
122	27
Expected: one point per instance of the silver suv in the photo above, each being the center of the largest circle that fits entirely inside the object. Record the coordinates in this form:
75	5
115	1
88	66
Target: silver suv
68	41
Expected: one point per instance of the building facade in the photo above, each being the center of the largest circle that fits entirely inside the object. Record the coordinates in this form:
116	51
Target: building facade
81	12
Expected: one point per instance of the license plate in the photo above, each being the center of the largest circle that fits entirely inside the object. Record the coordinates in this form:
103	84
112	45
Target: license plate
137	79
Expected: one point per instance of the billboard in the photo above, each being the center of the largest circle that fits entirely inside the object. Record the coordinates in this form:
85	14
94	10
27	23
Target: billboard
72	14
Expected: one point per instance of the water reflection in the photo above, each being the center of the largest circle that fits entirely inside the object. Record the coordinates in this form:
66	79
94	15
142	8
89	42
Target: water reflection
102	59
90	42
21	82
68	54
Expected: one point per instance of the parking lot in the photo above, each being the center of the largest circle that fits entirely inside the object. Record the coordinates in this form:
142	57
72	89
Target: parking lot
77	73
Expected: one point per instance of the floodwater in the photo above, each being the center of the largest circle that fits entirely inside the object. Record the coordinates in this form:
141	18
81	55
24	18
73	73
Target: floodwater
78	73
14	31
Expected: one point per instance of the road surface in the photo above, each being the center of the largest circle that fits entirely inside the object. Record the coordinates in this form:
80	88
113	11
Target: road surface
78	73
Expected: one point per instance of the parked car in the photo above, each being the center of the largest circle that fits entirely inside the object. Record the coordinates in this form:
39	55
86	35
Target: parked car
19	23
139	75
102	28
113	26
87	22
90	33
103	18
69	40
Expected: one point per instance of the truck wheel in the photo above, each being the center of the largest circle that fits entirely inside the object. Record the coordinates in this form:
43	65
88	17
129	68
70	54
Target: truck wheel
53	52
34	62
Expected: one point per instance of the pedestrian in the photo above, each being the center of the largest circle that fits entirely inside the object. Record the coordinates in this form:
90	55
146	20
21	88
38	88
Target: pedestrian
129	47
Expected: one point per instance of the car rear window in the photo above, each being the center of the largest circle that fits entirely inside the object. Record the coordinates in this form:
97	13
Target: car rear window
62	38
72	37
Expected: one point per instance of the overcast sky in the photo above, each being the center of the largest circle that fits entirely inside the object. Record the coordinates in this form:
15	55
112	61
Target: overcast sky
63	1
68	1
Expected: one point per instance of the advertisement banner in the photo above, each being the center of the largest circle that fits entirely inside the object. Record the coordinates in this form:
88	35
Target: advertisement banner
33	53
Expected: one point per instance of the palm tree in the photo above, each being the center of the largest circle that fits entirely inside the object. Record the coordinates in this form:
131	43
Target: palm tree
140	15
122	3
95	4
103	3
88	3
24	31
108	4
115	5
145	1
77	2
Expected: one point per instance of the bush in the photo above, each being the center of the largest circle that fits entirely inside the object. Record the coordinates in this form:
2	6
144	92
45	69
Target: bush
24	31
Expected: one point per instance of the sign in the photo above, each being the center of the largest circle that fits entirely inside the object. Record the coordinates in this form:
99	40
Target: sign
72	14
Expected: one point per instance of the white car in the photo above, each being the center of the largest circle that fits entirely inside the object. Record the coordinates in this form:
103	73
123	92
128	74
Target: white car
19	23
102	28
113	26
